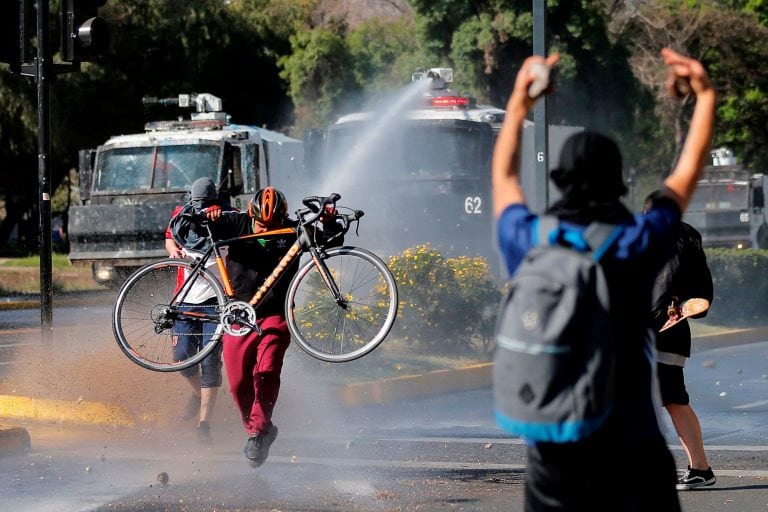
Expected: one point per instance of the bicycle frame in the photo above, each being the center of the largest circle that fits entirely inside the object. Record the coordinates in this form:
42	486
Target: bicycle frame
302	244
337	316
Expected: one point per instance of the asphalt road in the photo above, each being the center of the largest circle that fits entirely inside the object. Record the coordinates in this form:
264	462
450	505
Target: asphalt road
414	456
437	452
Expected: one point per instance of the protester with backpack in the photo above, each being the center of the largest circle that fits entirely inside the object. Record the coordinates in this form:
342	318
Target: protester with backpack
619	459
685	276
187	240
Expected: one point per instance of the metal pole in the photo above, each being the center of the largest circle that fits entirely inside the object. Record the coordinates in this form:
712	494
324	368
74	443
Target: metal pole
44	175
540	113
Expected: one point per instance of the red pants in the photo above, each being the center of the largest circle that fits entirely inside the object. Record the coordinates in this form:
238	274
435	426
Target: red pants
253	366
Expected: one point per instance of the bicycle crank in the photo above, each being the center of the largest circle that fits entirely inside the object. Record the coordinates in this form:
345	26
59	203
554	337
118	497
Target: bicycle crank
239	318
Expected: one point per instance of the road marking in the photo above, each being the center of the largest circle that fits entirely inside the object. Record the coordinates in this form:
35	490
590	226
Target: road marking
753	473
413	464
752	405
733	448
21	330
478	466
22	344
24	330
466	440
61	411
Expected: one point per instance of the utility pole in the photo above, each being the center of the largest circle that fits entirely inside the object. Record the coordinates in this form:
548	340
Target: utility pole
540	113
84	37
43	69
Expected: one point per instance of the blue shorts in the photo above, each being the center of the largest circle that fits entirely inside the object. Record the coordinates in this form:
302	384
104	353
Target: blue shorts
192	336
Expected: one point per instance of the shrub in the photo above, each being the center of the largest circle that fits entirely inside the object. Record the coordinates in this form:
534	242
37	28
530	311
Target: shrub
741	287
446	305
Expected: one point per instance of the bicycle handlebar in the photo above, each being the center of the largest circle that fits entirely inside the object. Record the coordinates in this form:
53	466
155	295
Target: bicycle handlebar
317	203
315	208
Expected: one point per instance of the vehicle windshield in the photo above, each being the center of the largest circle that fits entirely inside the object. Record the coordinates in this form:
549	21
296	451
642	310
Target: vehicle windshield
155	167
416	151
720	196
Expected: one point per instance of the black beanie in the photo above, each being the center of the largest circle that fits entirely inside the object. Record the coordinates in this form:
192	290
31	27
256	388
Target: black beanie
590	169
203	189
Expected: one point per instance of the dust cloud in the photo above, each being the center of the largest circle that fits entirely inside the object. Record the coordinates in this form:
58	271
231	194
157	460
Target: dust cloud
85	365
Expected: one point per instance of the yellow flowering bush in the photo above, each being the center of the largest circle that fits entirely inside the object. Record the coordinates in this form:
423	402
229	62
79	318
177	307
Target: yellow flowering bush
446	304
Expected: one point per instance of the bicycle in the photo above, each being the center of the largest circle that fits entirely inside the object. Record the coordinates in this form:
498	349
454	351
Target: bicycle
340	304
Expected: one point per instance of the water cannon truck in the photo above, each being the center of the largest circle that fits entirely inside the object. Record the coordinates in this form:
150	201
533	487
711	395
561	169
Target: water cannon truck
421	158
130	184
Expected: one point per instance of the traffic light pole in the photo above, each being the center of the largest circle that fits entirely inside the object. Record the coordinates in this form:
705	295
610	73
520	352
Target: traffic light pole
84	36
42	76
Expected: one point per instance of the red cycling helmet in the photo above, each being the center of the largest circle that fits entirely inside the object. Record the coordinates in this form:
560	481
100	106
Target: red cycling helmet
268	205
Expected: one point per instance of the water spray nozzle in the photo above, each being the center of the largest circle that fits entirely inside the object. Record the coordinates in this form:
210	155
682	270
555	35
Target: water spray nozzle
439	76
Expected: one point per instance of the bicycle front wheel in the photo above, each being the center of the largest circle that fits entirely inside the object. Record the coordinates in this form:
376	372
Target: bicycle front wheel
351	328
148	318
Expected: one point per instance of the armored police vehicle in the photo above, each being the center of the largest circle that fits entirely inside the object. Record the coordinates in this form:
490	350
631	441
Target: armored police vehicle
421	161
726	207
130	184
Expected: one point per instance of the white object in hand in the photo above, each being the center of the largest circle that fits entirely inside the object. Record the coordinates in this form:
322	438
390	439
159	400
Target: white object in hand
540	73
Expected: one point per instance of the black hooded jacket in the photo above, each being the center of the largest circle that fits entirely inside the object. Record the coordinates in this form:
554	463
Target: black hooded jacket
685	276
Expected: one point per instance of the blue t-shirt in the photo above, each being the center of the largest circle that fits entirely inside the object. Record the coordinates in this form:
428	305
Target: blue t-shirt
657	227
630	265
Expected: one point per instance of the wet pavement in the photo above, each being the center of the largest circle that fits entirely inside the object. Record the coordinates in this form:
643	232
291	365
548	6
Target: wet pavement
415	443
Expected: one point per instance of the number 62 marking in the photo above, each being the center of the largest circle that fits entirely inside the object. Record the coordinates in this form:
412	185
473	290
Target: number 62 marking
473	205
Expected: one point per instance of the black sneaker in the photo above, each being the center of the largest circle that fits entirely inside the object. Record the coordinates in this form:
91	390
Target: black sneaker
694	478
204	433
192	410
257	447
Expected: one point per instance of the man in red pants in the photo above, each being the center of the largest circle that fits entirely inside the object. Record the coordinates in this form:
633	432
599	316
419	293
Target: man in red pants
254	361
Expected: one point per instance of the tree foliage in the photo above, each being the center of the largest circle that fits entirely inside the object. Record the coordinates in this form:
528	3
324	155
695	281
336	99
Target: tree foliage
318	73
18	157
279	64
159	48
731	45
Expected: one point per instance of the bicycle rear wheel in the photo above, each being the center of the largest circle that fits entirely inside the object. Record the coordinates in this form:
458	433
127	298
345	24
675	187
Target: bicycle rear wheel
336	332
147	320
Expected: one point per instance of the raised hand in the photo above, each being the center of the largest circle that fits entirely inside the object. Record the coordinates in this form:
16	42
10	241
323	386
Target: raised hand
684	75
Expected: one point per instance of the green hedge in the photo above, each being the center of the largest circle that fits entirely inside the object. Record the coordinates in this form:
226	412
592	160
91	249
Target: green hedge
741	287
449	305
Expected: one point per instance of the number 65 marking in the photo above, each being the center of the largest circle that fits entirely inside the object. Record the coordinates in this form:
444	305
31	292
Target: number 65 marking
473	205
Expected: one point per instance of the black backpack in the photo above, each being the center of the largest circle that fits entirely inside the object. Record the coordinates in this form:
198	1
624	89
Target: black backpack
554	363
188	232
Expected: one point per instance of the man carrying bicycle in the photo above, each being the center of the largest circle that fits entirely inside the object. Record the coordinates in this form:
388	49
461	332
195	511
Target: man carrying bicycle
254	361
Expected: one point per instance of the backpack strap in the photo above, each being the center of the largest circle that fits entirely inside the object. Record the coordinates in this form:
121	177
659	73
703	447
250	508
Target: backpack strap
545	230
600	237
597	237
